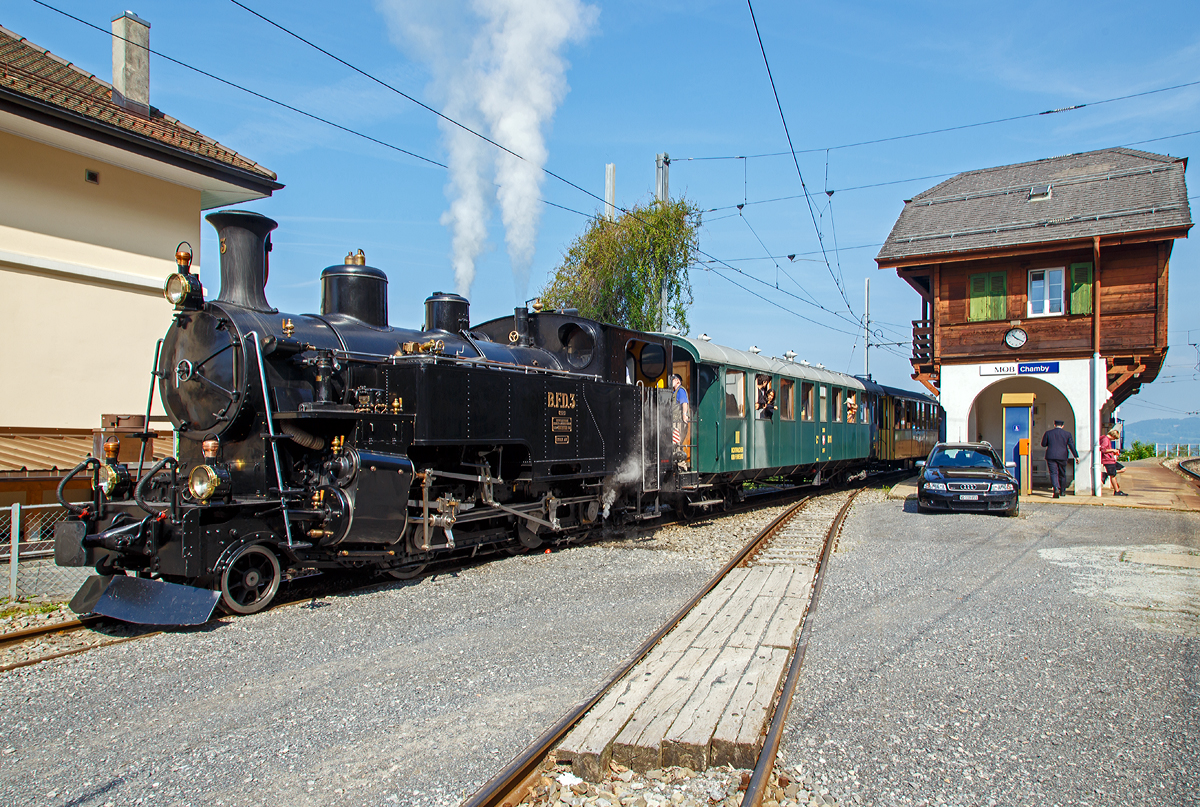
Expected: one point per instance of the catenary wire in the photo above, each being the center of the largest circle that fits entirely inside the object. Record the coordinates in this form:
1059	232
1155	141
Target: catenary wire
960	127
795	160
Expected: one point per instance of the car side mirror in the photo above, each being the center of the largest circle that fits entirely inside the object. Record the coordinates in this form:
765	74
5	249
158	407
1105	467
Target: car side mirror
920	463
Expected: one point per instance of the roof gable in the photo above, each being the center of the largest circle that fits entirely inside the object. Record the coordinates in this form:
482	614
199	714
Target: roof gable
1098	193
32	74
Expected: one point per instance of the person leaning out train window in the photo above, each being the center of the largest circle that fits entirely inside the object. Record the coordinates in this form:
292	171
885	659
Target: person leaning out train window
768	410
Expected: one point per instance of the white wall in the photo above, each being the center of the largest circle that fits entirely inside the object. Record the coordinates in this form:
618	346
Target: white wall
81	273
973	409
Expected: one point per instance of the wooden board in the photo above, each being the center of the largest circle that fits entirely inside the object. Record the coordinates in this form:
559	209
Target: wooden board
639	744
589	745
725	622
687	742
738	736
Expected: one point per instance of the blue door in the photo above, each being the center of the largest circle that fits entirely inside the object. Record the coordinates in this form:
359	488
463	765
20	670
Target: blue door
1016	429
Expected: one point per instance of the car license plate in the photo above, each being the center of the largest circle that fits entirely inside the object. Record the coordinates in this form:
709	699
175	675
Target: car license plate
969	497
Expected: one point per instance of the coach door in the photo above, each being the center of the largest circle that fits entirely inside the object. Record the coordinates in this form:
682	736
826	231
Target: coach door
734	438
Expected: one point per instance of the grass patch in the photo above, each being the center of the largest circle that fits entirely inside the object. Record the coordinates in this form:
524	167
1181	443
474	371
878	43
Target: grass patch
11	608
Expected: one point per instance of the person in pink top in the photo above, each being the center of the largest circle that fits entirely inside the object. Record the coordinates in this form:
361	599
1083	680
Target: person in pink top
1108	457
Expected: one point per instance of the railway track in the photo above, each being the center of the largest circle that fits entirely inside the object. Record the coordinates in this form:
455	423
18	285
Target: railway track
1191	468
803	535
61	639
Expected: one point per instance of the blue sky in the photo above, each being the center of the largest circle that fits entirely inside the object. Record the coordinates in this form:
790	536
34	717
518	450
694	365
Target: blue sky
686	78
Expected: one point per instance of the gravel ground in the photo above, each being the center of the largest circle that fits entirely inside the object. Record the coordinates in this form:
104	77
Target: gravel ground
972	660
411	693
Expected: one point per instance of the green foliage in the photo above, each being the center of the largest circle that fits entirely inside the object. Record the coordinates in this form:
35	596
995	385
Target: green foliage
1138	451
613	270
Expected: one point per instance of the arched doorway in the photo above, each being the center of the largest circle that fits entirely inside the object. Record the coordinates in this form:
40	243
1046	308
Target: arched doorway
985	420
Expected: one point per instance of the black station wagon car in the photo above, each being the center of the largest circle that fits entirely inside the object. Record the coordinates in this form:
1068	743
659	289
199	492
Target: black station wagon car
966	476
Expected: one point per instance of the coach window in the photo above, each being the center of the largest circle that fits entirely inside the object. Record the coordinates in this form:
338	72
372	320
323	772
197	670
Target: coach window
837	405
787	406
806	400
824	404
851	407
735	394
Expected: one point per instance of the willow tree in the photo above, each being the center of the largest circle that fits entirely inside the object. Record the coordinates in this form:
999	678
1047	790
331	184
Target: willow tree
615	270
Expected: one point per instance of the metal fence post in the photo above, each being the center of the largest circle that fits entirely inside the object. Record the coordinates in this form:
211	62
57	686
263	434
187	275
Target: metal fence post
14	537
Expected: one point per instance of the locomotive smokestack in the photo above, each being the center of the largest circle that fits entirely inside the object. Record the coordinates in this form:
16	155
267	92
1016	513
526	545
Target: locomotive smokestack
245	242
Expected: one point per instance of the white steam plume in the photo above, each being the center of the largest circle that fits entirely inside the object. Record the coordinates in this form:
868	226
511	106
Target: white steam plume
497	67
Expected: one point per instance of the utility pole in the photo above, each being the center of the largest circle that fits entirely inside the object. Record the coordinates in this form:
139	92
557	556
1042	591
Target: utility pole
867	331
610	191
662	169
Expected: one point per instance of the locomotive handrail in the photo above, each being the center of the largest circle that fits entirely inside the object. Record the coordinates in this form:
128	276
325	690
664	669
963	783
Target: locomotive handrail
149	404
385	358
62	486
262	377
139	492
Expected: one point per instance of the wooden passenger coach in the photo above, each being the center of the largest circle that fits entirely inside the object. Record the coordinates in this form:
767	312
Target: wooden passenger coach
823	422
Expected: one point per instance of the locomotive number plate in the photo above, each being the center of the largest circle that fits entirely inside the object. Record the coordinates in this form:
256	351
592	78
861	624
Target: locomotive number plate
560	424
562	439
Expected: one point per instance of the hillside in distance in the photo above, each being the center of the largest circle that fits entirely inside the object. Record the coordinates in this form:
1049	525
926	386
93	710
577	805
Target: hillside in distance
1163	430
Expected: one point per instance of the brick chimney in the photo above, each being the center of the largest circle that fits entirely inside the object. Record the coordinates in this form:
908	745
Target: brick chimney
131	63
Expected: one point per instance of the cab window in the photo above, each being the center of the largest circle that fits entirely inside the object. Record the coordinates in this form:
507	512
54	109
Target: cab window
735	394
787	406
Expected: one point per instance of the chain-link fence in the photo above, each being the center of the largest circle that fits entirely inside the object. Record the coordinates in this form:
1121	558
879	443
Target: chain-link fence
27	554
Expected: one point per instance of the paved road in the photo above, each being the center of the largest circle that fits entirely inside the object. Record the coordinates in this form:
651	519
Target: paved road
975	660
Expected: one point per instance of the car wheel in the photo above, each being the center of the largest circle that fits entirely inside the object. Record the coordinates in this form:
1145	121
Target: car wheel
1013	513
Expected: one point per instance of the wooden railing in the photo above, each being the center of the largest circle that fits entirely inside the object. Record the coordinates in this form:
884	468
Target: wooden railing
922	341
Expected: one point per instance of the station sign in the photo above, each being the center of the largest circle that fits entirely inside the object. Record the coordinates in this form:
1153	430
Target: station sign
1037	367
1020	368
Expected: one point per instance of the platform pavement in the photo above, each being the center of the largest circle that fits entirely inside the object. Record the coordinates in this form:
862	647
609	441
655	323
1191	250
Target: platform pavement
1150	484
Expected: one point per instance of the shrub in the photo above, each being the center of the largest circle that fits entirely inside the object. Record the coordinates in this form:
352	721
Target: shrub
1138	451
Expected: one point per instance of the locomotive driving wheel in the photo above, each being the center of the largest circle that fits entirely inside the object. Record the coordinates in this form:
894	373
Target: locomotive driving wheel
250	581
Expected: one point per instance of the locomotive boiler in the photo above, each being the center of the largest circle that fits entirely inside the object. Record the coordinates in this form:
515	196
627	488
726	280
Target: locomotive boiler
335	440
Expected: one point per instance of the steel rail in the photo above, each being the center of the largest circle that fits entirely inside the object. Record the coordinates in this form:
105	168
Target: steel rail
41	630
766	758
507	787
1191	468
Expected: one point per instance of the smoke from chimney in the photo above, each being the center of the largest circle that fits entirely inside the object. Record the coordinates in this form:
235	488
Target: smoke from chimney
497	67
131	63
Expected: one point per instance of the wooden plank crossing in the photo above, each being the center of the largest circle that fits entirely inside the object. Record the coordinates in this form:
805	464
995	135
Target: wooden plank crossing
703	696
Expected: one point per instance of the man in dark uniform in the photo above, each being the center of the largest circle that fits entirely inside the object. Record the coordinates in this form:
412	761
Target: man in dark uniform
1060	446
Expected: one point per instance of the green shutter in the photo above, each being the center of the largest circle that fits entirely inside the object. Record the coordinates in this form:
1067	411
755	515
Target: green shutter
998	296
977	288
1081	288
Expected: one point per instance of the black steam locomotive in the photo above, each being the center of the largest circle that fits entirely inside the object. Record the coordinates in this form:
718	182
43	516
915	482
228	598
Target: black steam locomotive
337	441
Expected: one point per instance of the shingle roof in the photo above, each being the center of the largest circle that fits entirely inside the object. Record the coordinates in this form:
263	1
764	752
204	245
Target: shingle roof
35	73
28	453
1107	192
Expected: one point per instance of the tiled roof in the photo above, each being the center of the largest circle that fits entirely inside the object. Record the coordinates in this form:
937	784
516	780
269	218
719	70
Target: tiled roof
1107	192
23	452
35	73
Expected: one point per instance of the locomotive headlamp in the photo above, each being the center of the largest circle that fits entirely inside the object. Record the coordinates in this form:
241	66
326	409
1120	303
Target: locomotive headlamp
113	479
183	288
177	288
205	481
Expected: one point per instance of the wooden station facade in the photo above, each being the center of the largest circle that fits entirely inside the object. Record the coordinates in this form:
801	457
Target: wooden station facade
1047	277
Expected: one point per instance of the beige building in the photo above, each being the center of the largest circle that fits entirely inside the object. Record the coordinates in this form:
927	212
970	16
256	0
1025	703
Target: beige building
97	187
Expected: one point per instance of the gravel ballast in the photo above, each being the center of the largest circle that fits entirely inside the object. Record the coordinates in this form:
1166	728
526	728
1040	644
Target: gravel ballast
971	660
410	693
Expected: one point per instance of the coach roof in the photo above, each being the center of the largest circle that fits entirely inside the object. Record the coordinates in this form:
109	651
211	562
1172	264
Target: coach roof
710	353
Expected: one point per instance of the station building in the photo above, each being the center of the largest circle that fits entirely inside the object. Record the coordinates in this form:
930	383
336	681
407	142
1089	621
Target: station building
99	187
1042	284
